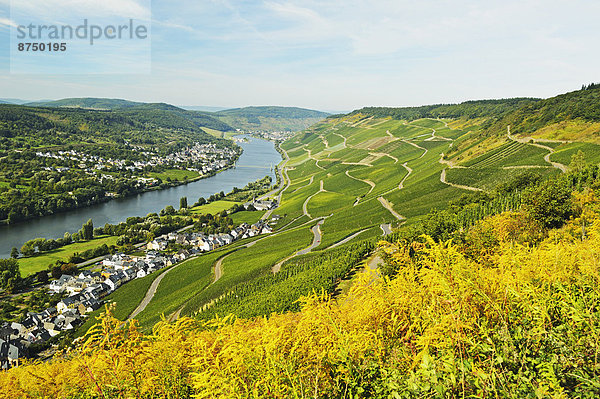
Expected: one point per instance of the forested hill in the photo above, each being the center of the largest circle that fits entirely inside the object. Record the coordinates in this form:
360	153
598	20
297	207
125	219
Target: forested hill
86	102
568	115
468	109
264	118
271	118
25	126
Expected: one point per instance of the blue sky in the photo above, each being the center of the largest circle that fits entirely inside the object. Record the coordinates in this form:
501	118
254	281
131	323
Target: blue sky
326	54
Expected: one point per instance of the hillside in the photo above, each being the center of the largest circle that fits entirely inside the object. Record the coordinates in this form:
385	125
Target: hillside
466	223
491	312
87	102
22	126
121	152
270	118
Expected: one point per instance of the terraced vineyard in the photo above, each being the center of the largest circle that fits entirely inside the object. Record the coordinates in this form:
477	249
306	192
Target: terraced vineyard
346	180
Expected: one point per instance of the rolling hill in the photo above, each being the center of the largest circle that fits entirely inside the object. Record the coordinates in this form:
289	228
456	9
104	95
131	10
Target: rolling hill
270	118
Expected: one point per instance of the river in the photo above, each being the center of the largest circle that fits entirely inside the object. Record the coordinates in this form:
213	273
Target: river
256	161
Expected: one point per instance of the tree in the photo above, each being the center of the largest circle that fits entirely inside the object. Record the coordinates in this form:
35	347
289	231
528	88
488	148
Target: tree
14	253
183	203
56	272
42	277
201	201
27	249
87	230
549	203
10	276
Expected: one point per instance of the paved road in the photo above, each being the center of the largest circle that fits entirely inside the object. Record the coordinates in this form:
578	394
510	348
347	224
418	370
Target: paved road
386	228
150	293
282	172
387	205
305	204
316	230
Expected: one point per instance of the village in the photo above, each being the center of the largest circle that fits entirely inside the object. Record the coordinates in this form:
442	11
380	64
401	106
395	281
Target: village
85	292
200	158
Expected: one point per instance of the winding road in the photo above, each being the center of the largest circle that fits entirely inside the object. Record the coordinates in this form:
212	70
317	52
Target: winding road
527	140
389	206
150	293
443	180
316	230
386	228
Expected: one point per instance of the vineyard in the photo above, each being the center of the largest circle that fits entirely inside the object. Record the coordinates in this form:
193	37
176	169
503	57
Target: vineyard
510	311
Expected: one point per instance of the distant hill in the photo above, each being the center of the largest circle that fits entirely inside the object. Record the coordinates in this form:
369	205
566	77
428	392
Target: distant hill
87	102
268	118
159	124
16	101
271	118
203	108
169	115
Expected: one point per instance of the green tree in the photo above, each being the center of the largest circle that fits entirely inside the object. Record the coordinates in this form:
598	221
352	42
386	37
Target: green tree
14	253
183	203
87	230
10	276
27	249
549	203
42	277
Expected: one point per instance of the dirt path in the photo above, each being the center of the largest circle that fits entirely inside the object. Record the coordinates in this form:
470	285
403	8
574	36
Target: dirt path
425	150
343	138
219	268
310	156
383	154
312	178
450	164
526	140
388	205
409	170
443	180
369	182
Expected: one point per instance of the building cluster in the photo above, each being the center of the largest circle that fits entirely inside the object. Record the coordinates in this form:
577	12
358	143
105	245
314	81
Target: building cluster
201	158
200	242
273	136
84	293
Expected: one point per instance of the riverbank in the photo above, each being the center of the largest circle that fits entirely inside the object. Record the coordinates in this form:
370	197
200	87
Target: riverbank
254	163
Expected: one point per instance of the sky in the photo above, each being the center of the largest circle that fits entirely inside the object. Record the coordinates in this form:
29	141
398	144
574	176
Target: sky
334	55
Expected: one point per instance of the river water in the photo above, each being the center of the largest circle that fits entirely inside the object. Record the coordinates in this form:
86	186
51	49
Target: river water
257	161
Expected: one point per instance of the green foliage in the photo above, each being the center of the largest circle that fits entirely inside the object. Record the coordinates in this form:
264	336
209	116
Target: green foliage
549	203
468	109
10	276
